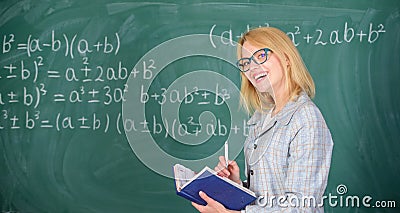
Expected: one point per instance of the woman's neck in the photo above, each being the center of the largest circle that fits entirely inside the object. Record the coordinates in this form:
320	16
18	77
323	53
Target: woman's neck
280	99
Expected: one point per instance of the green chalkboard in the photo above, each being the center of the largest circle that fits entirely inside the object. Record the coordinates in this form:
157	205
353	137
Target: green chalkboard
99	98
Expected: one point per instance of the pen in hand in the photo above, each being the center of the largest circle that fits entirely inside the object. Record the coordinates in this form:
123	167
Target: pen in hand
226	154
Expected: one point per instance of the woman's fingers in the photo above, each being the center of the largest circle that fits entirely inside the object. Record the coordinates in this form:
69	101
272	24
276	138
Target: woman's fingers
221	167
211	202
222	171
233	166
199	207
212	205
222	160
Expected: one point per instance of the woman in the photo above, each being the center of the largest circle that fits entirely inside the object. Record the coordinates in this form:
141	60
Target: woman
289	147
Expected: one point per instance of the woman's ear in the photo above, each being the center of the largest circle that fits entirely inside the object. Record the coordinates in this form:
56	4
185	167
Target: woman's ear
287	61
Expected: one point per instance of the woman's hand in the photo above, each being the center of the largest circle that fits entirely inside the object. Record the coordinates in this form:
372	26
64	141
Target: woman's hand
212	205
232	172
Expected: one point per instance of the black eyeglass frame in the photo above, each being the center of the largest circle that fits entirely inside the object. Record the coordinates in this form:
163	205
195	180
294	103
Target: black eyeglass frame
252	58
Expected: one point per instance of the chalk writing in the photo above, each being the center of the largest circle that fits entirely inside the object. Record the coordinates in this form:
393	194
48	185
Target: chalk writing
317	37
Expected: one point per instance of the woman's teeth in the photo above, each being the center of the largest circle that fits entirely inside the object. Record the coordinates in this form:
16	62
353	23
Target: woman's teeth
259	76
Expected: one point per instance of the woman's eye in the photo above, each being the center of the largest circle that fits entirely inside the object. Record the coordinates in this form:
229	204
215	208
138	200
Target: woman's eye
262	55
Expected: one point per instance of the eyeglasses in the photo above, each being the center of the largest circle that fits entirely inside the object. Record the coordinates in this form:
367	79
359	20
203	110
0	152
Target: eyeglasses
258	57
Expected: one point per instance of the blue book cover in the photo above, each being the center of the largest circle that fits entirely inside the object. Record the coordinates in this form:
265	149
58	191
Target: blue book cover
230	194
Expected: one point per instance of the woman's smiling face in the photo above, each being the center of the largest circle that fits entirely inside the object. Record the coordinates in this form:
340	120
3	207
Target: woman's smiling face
265	77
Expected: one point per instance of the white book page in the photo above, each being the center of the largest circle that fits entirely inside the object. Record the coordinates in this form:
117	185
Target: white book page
186	176
198	174
226	180
182	176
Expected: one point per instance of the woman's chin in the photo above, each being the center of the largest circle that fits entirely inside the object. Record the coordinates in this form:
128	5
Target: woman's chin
264	89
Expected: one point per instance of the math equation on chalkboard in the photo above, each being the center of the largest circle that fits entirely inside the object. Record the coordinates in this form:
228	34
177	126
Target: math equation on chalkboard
82	80
80	83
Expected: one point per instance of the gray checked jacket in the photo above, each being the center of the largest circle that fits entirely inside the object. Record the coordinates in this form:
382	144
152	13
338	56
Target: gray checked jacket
288	158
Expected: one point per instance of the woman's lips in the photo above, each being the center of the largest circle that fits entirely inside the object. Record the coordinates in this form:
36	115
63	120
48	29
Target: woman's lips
260	76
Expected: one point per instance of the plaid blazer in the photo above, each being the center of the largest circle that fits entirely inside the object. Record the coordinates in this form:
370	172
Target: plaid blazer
288	161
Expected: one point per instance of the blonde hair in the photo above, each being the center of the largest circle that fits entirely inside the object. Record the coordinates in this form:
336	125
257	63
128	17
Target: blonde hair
296	74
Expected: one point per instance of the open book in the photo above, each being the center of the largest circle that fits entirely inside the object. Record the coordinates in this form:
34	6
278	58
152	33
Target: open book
230	194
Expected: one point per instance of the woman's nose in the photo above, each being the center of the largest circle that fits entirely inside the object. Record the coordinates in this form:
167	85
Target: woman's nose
253	66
